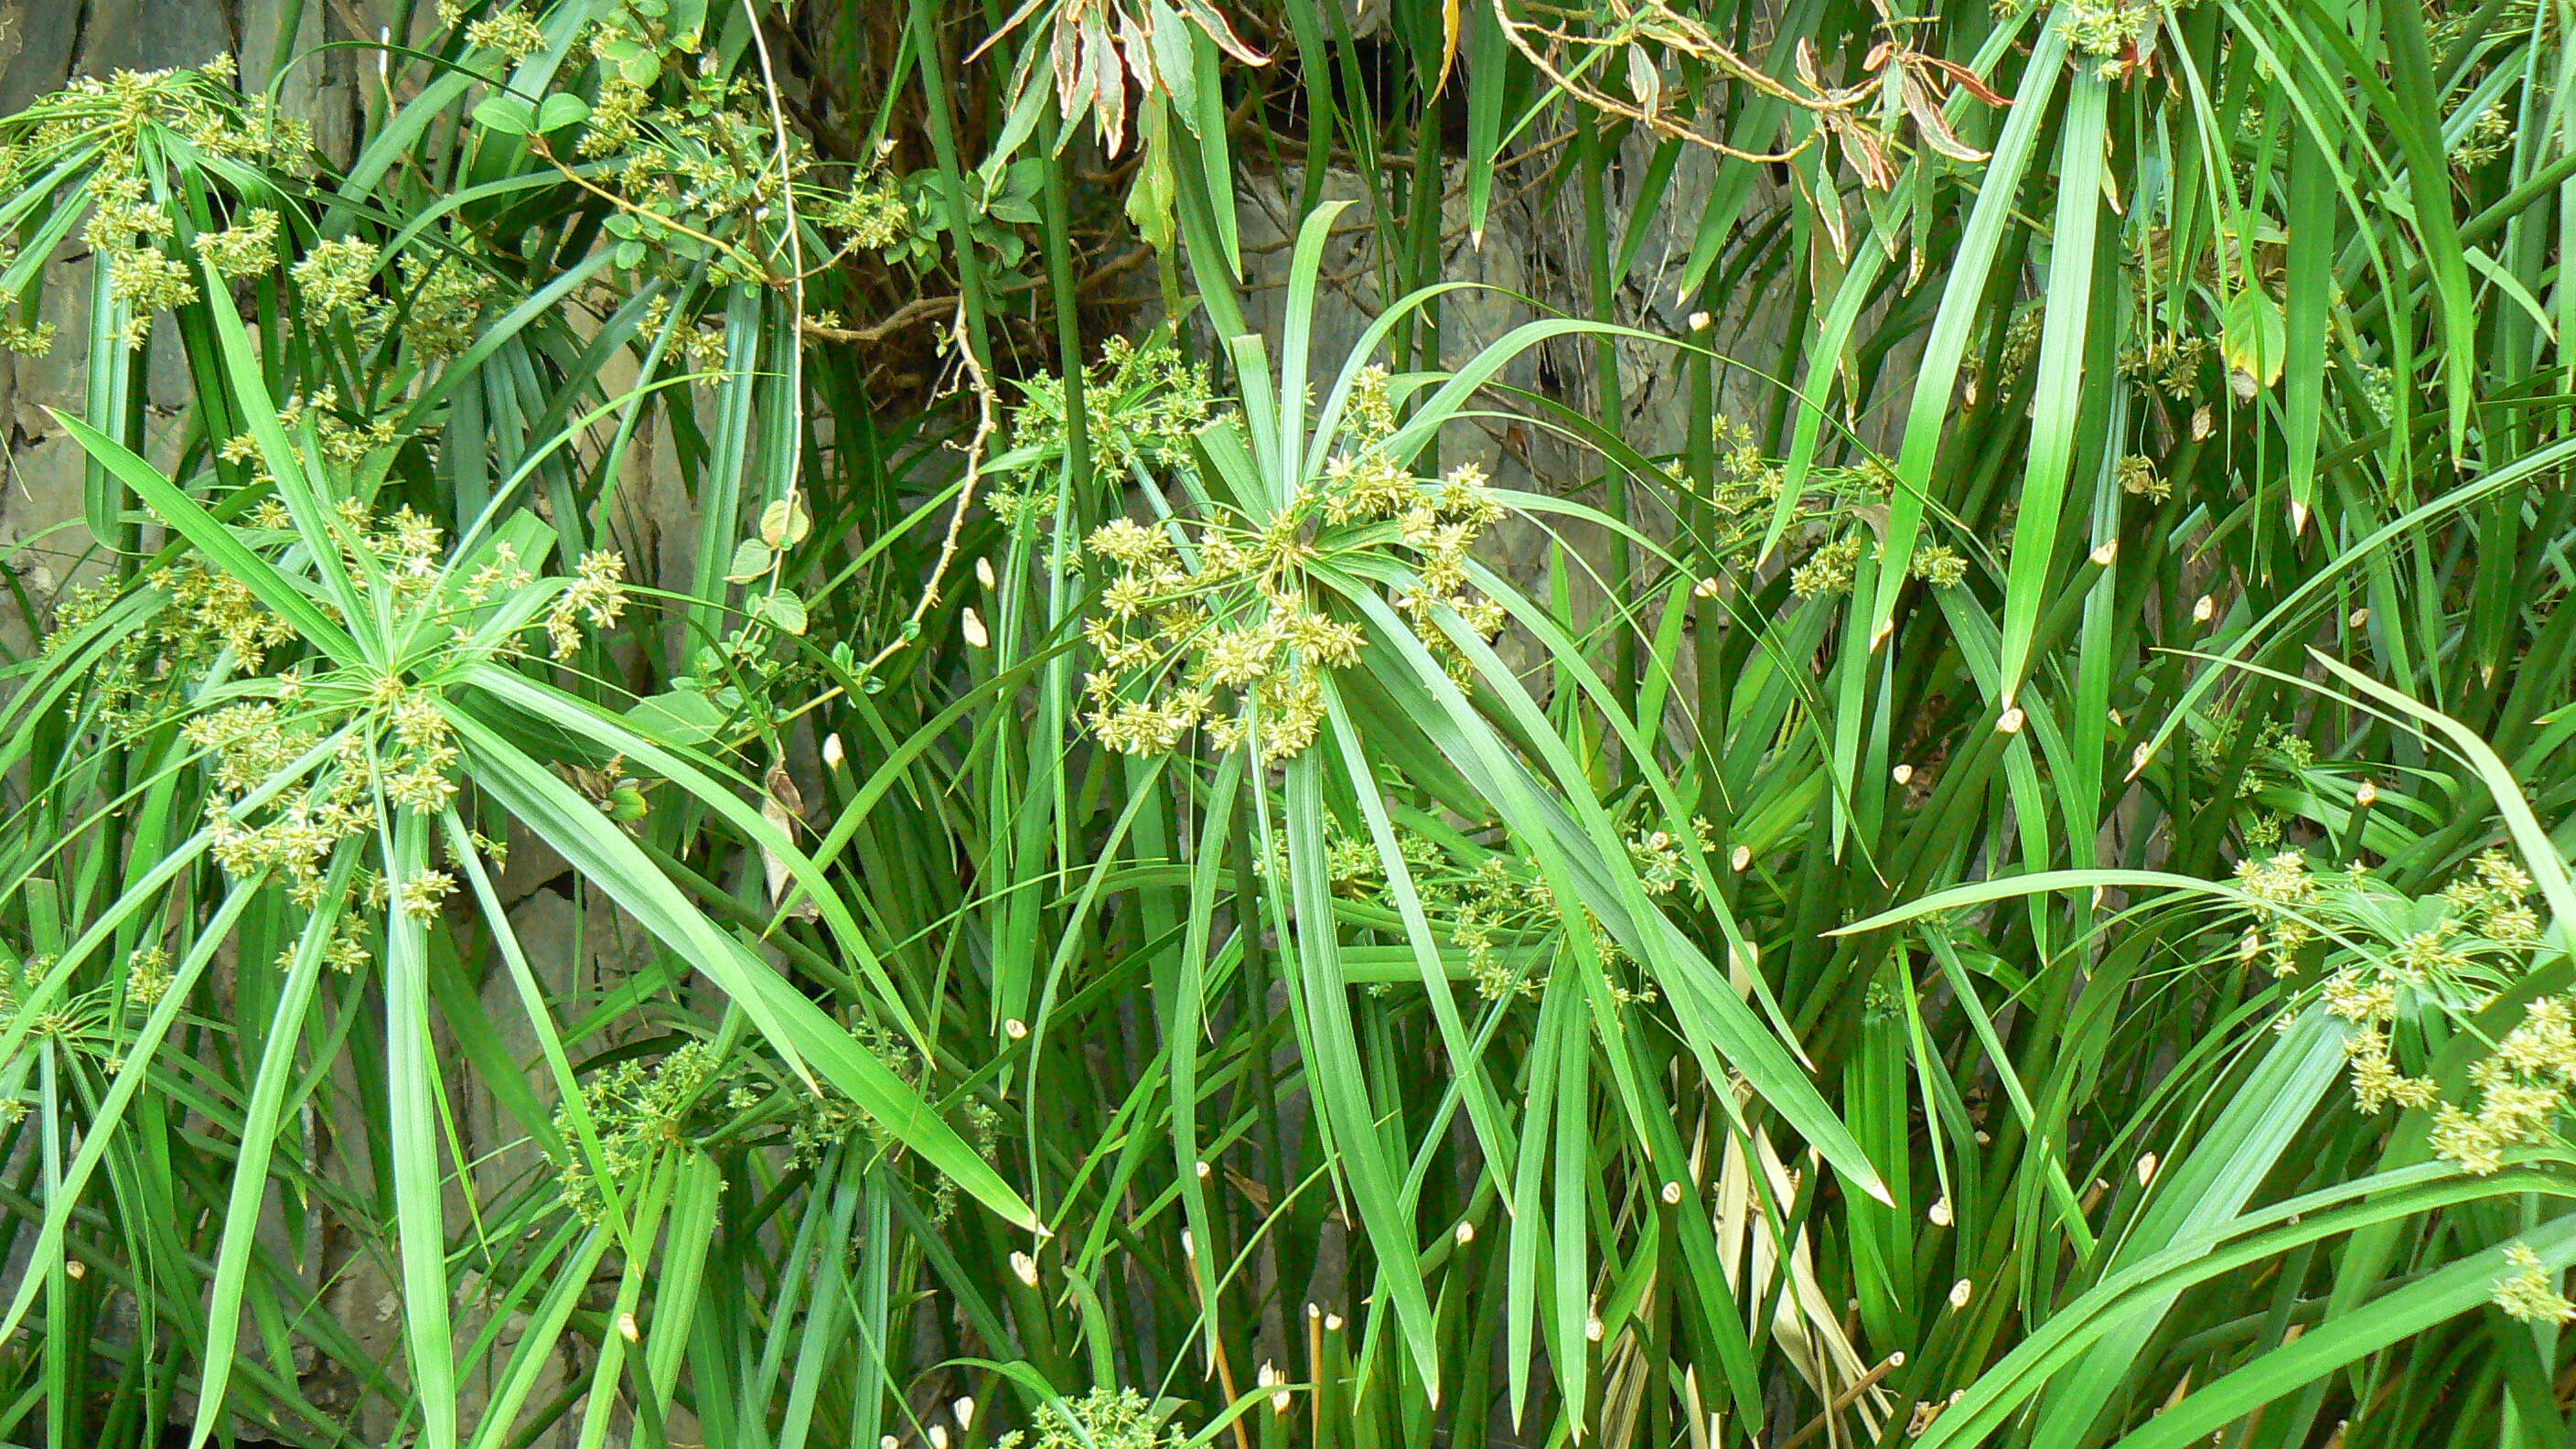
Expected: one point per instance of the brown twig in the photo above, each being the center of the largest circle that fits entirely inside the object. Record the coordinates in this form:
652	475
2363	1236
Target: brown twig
1215	1348
1844	1400
538	145
902	317
984	429
924	307
1704	48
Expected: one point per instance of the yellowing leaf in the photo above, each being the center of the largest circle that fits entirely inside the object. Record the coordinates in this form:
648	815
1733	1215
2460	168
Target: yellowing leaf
2255	342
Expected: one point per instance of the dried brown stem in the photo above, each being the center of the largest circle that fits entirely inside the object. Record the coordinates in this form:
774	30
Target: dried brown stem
985	426
1845	1400
1708	50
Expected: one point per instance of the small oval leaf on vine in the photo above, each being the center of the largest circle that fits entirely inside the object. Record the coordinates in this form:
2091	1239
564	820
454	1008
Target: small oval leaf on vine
558	111
507	115
784	611
784	524
751	559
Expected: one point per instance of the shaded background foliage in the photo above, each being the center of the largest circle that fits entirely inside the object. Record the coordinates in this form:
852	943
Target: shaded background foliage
1962	843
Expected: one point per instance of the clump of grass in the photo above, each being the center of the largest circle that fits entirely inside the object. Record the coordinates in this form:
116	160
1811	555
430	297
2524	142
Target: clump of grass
1961	847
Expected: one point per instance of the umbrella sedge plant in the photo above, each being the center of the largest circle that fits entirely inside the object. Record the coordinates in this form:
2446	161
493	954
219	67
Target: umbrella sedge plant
772	725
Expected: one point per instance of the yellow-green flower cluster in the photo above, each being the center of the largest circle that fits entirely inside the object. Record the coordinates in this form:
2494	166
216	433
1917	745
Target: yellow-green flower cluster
407	551
2495	899
250	743
513	33
1352	862
117	112
2137	476
2530	1292
440	298
1101	1419
695	1098
1491	911
1744	500
597	597
245	249
127	233
1175	649
325	757
2282	886
420	896
2487	138
708	168
1217	625
2392	958
346	952
216	609
1499	910
2522	1087
27	339
1830	569
872	213
1507	900
2020	349
637	1112
337	278
1142	403
2170	364
1939	565
295	840
2278	746
815	1125
147	977
340	441
1663	859
1743	493
2109	30
79	1019
116	124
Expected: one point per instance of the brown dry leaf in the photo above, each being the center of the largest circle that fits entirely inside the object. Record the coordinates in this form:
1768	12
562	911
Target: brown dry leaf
781	804
1925	107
